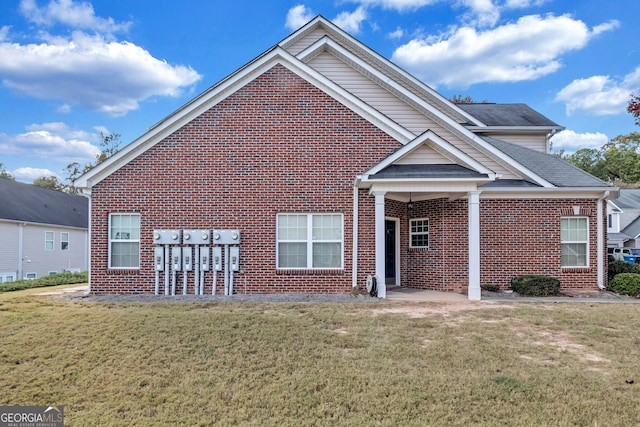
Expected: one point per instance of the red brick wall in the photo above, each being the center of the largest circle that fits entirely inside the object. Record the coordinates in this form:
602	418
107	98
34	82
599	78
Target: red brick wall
277	145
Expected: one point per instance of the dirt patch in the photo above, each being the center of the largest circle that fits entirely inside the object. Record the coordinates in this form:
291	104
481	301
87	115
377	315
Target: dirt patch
423	310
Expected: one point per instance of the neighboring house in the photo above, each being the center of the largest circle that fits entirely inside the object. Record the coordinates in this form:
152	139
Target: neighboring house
623	219
334	166
42	231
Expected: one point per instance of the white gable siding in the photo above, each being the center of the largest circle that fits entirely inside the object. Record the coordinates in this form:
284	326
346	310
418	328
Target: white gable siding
424	155
534	142
306	41
393	107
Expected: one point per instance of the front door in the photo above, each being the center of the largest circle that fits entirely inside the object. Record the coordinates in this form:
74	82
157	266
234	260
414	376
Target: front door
390	252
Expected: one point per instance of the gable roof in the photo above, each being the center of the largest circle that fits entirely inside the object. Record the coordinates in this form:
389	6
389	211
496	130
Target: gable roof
629	198
30	203
633	230
553	169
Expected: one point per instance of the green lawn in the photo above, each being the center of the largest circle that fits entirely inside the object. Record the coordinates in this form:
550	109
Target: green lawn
322	363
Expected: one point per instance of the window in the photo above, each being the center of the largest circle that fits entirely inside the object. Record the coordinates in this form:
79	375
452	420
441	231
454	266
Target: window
419	232
124	241
7	277
48	240
31	276
309	241
574	236
64	241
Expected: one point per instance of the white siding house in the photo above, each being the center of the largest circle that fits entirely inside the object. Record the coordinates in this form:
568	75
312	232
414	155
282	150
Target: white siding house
41	231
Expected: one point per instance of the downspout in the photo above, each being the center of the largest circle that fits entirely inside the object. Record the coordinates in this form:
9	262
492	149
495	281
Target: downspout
600	241
354	256
88	196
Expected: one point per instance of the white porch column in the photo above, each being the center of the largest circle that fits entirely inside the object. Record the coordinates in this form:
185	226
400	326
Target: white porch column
380	240
474	245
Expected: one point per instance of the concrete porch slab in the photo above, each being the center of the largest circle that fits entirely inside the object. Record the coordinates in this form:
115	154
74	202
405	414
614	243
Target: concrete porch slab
410	294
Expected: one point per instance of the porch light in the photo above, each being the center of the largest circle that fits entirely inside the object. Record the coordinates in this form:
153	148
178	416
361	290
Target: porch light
410	204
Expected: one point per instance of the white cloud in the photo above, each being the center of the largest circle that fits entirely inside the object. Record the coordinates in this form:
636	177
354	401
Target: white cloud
109	77
527	49
397	34
55	142
351	21
523	4
570	141
66	12
31	174
398	5
297	16
482	13
599	95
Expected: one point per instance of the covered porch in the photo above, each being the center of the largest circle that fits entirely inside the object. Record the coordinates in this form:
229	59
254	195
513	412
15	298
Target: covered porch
427	227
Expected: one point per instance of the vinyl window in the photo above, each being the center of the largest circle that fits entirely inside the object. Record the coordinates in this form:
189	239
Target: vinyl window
48	240
124	240
309	241
574	235
64	241
419	233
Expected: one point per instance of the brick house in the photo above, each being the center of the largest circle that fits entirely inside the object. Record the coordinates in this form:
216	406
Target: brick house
335	166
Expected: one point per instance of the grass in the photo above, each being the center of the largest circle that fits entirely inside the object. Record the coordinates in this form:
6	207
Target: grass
322	364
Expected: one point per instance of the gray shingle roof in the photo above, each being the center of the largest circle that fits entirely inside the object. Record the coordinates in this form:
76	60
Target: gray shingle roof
30	203
427	171
633	229
507	115
557	171
629	198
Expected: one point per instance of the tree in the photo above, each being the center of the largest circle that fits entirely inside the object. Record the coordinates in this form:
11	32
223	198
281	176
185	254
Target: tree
110	145
4	173
458	99
590	160
50	182
622	158
634	108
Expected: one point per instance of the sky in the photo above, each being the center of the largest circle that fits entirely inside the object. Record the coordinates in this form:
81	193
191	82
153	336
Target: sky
72	70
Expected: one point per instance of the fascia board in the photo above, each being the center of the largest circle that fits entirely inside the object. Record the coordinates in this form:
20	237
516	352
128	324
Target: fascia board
546	193
515	129
422	185
325	42
227	87
445	146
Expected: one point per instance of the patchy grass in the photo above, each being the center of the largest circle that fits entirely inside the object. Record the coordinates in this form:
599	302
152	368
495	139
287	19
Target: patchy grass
329	364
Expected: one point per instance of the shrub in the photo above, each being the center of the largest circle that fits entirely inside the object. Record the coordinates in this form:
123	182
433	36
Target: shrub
617	267
535	285
490	287
626	284
51	280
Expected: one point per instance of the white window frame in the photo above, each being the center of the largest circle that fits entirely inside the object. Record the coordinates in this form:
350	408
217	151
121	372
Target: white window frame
10	276
30	276
64	238
575	242
52	241
309	240
122	240
421	233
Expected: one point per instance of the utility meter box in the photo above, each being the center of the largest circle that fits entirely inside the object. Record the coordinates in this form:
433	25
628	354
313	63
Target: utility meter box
176	258
166	237
196	237
158	258
234	258
204	259
187	259
226	237
217	258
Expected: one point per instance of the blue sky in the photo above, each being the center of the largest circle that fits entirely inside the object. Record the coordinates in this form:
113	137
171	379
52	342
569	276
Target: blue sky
71	69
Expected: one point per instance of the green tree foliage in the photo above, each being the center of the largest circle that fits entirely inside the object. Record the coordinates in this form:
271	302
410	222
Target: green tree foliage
589	160
4	173
50	182
622	158
110	145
